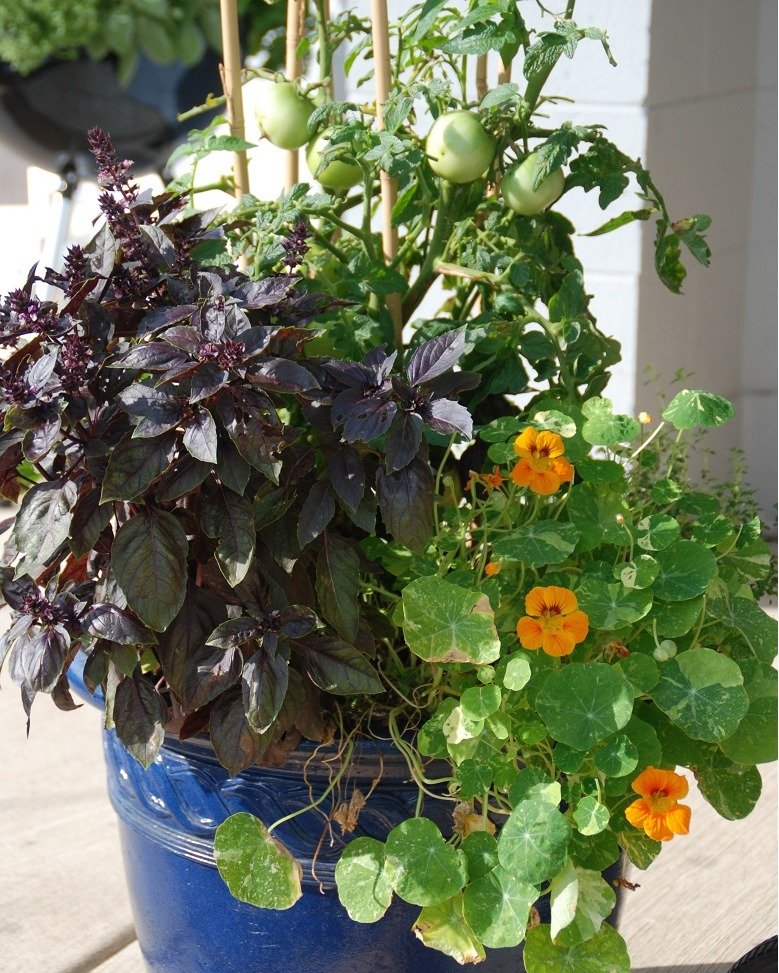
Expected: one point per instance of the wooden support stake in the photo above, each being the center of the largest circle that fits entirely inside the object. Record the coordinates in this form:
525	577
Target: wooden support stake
231	83
504	75
294	18
389	189
481	76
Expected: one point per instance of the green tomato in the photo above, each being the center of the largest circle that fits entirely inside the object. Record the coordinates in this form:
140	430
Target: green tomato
516	186
283	114
458	148
338	175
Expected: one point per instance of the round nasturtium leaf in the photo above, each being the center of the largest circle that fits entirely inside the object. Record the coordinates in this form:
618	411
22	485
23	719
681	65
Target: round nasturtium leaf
638	573
533	843
544	542
474	777
517	674
479	702
641	672
497	906
754	742
694	407
443	927
676	618
584	703
567	759
256	867
731	789
443	622
533	784
595	901
481	853
364	889
606	952
612	606
657	532
590	816
702	693
424	869
617	757
686	570
712	529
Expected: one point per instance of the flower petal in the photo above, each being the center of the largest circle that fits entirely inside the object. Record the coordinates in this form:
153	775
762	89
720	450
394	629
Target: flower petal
551	443
650	781
522	473
678	819
558	644
530	633
561	598
637	813
563	469
525	441
577	624
544	482
656	828
535	601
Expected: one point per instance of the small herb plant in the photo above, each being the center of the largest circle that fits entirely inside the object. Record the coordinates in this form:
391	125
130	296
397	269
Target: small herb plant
264	516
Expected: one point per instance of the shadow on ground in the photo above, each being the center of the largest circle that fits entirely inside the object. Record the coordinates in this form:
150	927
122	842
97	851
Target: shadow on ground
694	968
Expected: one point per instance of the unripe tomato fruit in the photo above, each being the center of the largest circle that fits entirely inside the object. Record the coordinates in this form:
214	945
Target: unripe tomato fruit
338	175
283	114
516	187
458	148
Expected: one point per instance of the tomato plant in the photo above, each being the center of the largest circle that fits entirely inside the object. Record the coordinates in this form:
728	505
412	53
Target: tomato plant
458	149
518	187
332	174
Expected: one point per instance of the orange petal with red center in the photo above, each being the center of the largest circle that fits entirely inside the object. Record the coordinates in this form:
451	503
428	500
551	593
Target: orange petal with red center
561	598
637	813
525	441
563	469
522	473
530	633
653	780
536	601
558	644
678	819
577	625
550	443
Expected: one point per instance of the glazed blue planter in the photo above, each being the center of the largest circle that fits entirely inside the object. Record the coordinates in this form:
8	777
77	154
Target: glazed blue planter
186	919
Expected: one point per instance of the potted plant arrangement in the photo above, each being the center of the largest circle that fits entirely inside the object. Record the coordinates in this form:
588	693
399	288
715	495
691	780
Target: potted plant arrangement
397	624
131	67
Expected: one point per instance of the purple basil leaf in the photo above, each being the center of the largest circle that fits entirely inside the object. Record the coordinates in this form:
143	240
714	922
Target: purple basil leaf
185	475
343	404
139	718
350	373
236	744
15	591
403	440
268	293
317	512
339	668
39	441
37	660
447	417
161	317
184	338
41	371
281	375
233	633
436	356
89	521
297	621
452	383
209	672
380	363
207	381
200	436
338	586
156	356
115	625
135	464
233	471
368	418
162	415
347	476
406	503
264	682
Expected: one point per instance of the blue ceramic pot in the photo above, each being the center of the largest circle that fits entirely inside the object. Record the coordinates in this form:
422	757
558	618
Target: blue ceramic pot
185	918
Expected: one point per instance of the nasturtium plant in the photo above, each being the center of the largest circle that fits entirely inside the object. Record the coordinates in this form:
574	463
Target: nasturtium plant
286	501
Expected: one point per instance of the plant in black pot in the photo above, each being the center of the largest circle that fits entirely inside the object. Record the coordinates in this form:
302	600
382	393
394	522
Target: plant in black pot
132	67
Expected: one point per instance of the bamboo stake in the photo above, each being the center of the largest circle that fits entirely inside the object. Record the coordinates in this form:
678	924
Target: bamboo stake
504	75
292	69
389	189
230	70
481	76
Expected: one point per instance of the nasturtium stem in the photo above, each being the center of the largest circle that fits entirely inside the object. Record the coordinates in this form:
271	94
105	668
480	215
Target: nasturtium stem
345	763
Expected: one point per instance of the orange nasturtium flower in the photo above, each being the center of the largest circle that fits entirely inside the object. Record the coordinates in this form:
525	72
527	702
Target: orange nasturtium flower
541	466
657	810
492	568
553	622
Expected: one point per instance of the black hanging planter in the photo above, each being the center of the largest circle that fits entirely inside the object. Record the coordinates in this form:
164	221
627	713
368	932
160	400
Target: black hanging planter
46	114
